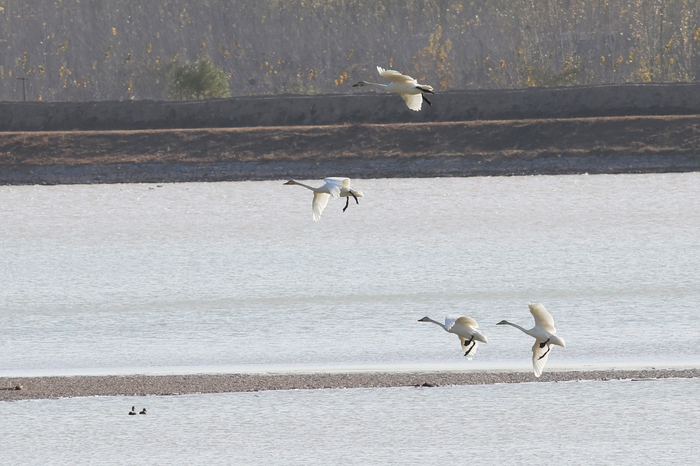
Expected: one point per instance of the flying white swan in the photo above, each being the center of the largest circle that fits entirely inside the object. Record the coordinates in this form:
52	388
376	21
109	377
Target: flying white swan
465	328
410	90
334	187
544	334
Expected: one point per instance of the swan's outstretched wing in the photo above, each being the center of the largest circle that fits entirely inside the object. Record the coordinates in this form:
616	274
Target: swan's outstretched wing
319	203
464	320
543	319
537	352
465	346
414	101
335	184
465	327
395	76
452	319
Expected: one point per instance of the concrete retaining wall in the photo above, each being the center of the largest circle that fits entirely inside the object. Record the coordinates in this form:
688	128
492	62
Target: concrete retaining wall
360	107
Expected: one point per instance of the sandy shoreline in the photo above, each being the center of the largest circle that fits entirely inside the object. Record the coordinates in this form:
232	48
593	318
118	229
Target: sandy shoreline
141	385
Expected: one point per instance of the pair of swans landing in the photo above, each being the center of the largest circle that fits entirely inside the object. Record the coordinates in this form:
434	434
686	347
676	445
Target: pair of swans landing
465	328
543	332
412	92
334	187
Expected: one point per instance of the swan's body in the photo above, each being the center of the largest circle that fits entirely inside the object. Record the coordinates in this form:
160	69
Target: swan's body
133	411
411	91
465	328
544	334
334	187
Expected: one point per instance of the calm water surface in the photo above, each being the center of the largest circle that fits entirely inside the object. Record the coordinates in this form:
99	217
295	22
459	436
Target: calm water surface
236	276
619	422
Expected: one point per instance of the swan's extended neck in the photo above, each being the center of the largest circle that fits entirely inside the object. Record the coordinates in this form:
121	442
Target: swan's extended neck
302	184
524	330
428	319
377	85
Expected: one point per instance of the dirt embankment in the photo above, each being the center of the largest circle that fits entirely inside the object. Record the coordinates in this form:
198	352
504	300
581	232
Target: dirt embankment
468	148
594	129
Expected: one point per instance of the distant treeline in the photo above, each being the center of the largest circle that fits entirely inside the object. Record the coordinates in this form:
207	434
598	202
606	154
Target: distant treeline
84	50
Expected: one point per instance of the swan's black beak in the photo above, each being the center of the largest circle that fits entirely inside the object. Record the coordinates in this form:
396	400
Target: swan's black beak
355	85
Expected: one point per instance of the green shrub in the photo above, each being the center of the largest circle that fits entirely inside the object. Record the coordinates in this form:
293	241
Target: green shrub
198	80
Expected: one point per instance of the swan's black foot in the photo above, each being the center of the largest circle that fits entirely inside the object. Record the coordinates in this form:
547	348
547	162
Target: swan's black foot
347	200
470	348
466	343
545	353
544	343
426	100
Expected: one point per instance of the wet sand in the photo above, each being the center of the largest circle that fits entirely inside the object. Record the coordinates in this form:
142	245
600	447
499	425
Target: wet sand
141	385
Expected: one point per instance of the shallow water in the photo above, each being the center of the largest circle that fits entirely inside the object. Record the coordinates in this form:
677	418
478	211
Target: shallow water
616	422
236	276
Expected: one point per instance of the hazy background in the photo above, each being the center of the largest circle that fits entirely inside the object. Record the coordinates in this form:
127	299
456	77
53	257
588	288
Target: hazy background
125	49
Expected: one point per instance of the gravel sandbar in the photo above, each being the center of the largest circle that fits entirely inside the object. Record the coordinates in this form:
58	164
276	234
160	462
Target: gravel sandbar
141	385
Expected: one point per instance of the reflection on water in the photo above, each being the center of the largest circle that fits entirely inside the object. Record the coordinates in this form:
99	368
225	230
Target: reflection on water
617	422
134	278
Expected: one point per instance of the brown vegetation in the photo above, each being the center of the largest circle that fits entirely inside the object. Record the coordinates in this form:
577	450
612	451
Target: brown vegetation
121	49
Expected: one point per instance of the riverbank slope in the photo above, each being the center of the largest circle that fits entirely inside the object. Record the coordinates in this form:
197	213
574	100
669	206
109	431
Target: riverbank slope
634	144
